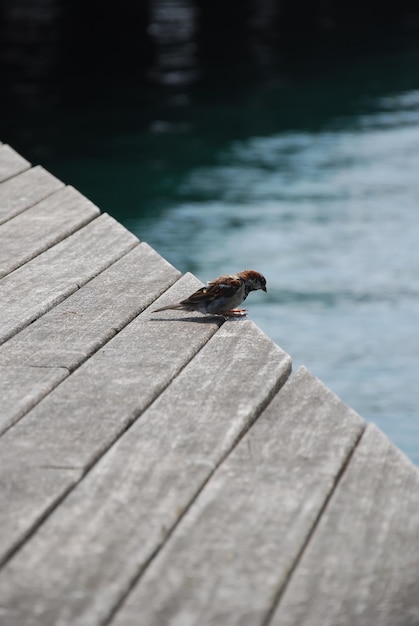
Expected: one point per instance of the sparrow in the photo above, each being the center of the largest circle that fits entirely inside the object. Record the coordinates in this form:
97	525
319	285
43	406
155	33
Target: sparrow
222	295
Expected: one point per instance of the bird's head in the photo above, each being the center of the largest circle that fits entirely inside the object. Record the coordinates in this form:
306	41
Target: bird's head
254	280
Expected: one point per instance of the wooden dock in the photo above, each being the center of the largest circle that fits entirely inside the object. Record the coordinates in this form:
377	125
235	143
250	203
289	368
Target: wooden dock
168	470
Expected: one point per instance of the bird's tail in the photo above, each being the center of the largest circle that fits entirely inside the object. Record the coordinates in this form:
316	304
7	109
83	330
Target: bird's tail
168	306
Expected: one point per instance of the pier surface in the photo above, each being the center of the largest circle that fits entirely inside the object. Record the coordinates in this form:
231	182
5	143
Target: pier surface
168	469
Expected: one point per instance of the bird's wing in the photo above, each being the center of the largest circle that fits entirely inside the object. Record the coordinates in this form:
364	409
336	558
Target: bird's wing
222	287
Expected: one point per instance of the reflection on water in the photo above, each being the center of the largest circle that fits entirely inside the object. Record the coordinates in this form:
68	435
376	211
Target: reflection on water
331	218
172	28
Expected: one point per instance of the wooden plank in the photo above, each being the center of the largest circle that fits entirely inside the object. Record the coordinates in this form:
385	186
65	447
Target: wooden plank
234	549
21	192
11	163
40	227
72	331
80	419
21	488
21	387
33	289
107	529
361	566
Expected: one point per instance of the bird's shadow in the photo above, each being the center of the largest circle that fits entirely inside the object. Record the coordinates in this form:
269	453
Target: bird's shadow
209	319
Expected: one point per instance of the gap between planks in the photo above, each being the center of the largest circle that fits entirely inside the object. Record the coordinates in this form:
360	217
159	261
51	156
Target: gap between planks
85	470
170	531
229	437
126	317
311	533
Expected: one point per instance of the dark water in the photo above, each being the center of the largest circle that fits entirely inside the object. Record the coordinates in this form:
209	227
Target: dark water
306	169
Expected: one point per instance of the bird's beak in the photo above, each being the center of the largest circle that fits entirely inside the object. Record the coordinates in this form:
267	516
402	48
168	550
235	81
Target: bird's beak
264	289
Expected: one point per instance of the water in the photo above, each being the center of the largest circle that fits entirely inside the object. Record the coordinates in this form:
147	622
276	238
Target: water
331	219
307	172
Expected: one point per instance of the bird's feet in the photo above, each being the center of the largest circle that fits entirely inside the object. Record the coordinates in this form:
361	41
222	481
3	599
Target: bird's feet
235	313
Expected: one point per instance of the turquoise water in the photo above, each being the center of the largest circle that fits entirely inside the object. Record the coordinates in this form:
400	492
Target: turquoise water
332	219
308	173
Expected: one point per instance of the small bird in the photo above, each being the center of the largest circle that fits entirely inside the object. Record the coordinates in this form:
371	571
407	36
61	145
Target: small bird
222	295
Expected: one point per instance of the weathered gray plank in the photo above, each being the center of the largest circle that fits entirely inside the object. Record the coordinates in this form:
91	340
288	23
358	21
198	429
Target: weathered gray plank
235	547
11	163
72	331
21	192
80	419
21	387
108	528
20	488
45	281
361	566
40	227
